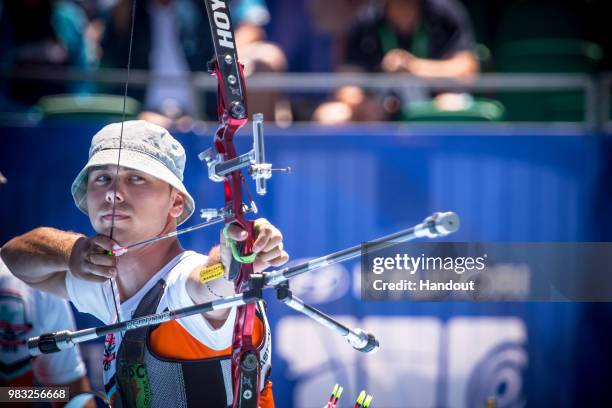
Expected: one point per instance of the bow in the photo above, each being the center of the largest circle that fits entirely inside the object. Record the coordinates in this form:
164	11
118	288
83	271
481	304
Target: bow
225	165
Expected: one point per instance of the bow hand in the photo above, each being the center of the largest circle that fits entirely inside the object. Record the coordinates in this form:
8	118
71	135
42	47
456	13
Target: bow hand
267	248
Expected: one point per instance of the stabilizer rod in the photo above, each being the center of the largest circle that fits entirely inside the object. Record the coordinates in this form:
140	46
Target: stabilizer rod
439	224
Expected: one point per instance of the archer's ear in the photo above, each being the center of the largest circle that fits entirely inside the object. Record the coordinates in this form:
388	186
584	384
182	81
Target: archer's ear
178	204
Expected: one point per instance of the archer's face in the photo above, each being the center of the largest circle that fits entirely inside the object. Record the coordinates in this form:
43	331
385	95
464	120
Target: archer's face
145	206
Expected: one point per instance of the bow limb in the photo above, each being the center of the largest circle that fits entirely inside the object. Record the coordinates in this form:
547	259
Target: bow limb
232	111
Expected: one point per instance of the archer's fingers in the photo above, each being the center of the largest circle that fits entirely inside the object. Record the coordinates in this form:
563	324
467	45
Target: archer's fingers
281	260
273	252
103	242
100	271
268	237
263	237
261	264
236	233
275	241
270	255
102	260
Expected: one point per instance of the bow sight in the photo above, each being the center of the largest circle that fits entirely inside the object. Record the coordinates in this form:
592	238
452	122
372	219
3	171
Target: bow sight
254	160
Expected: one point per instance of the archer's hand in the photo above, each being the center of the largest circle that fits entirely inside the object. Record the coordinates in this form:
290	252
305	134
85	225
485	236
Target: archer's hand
88	259
268	246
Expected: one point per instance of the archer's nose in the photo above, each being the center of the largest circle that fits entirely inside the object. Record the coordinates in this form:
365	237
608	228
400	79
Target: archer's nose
114	194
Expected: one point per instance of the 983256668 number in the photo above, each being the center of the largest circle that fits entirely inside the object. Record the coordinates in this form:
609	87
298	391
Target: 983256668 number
34	394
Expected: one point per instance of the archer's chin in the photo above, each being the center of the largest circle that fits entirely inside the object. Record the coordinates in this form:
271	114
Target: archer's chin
119	233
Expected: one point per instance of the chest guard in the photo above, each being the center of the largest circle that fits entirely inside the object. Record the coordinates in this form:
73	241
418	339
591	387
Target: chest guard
145	379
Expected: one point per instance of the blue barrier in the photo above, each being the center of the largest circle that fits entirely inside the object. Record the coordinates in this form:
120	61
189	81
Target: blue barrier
348	186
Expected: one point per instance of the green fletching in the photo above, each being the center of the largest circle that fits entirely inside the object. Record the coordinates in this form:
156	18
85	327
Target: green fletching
368	399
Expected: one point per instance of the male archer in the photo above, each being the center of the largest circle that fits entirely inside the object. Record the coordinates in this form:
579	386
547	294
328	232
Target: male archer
184	362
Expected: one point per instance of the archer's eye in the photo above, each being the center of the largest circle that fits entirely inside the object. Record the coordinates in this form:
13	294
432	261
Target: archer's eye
136	179
102	179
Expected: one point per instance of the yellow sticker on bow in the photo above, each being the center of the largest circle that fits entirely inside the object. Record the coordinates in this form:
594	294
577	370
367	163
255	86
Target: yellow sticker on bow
212	272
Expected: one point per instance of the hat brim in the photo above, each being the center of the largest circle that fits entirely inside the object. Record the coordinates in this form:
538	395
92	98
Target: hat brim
133	160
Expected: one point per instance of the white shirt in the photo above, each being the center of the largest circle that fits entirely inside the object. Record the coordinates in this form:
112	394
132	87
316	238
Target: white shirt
96	299
25	313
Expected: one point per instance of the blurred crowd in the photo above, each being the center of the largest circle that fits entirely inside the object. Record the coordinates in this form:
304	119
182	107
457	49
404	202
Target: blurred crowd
423	38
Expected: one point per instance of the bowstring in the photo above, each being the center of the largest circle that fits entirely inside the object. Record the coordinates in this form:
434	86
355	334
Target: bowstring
125	94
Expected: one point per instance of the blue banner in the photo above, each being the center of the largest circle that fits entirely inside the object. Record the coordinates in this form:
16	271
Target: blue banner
352	185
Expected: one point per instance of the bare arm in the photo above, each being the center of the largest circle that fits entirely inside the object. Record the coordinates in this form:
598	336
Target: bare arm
205	292
40	258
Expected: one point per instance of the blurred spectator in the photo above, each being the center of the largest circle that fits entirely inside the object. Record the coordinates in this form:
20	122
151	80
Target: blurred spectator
172	38
24	313
334	18
259	55
42	34
426	38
